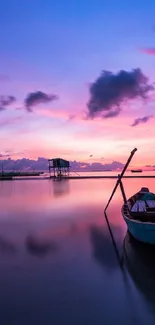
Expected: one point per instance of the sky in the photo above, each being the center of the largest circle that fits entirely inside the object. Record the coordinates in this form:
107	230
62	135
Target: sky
77	80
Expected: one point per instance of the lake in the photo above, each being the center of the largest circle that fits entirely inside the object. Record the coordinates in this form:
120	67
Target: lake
57	262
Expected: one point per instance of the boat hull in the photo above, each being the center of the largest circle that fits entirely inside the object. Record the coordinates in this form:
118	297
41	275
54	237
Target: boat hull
142	231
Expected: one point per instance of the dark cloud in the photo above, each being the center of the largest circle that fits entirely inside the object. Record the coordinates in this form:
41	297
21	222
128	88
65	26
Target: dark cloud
41	164
98	166
149	50
141	120
5	101
110	91
38	97
113	113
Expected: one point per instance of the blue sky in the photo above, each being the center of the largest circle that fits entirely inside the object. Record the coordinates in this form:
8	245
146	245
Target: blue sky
60	47
57	37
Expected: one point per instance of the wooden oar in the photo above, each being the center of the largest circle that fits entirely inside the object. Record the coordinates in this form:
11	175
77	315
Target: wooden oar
120	176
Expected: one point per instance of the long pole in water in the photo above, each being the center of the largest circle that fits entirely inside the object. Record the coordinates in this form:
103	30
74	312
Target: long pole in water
122	190
120	176
120	260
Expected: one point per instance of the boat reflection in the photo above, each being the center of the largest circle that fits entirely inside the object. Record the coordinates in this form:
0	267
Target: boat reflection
140	262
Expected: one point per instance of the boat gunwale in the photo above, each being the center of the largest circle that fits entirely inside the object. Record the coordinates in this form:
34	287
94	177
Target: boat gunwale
131	218
134	220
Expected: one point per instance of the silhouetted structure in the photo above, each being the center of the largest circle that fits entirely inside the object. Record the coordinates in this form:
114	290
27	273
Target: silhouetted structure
59	166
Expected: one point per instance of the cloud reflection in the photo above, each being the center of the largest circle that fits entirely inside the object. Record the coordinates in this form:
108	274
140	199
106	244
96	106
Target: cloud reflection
7	247
61	187
40	247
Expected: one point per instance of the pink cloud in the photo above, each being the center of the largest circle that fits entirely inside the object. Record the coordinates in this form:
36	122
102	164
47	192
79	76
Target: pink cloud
53	113
67	115
149	50
141	120
10	121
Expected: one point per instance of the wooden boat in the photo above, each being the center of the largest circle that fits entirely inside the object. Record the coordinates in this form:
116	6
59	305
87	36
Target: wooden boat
138	211
139	215
136	170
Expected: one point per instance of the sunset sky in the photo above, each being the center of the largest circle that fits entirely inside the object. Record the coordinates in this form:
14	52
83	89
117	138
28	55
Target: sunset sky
51	53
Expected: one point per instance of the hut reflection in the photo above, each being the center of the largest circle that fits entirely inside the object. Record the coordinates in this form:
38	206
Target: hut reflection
60	187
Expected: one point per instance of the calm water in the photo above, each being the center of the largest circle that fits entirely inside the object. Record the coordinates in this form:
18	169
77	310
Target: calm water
57	262
114	173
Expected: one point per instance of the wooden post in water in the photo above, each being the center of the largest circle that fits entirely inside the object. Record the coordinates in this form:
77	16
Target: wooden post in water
120	261
122	190
120	177
119	182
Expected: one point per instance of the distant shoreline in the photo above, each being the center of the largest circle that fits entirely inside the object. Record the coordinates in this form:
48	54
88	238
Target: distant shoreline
73	177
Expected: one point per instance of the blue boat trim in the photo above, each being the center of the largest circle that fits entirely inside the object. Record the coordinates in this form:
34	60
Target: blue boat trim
142	231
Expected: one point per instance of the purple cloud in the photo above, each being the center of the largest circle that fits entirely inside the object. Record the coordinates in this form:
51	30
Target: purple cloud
41	164
2	109
10	121
113	113
141	120
111	90
5	101
38	97
4	155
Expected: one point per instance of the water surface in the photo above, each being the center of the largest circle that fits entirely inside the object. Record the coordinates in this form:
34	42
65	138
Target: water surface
57	262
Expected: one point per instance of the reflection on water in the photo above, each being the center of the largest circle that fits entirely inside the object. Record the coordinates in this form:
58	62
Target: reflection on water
57	262
140	260
39	247
102	247
7	247
60	187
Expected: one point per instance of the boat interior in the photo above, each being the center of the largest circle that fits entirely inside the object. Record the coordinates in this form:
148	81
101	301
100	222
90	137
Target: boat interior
141	206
